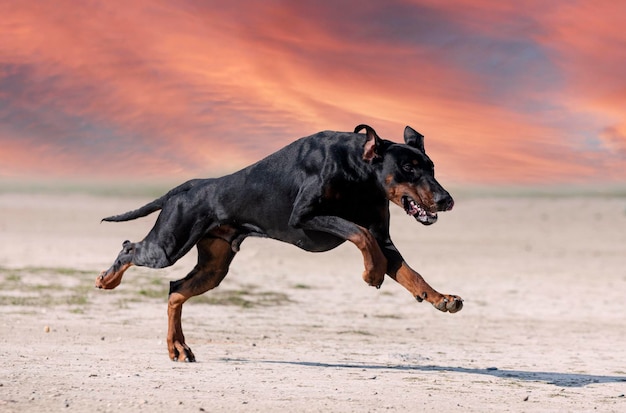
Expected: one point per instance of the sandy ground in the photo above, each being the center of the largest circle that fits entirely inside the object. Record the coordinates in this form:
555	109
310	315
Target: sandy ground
543	328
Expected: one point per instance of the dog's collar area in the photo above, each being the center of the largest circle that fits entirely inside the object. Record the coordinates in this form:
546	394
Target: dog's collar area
413	208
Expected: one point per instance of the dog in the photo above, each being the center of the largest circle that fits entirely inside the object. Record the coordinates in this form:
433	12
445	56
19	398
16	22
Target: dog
315	193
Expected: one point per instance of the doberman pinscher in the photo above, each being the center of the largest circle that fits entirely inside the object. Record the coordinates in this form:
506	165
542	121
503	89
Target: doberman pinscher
315	193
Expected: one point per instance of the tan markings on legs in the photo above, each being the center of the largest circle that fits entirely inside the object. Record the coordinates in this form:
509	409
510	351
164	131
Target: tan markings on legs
214	257
421	290
110	279
176	346
373	258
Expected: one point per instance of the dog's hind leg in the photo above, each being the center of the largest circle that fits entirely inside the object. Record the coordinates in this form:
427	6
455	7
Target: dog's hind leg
174	233
112	277
144	253
214	258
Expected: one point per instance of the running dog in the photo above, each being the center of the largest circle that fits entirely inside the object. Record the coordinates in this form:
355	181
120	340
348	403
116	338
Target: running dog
315	193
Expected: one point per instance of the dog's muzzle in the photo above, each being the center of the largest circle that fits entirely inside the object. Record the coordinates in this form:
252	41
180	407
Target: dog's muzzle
418	211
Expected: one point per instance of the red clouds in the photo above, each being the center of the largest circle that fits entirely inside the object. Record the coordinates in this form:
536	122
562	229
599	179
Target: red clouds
524	94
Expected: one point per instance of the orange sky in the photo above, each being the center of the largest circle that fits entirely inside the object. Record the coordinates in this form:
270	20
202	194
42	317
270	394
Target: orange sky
521	92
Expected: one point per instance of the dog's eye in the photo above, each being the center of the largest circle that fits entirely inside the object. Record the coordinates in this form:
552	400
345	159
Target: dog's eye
407	167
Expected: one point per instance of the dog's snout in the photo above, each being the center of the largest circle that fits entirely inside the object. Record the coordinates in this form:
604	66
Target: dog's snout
445	202
450	203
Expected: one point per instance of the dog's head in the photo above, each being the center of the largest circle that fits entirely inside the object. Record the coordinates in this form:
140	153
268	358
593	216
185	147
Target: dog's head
407	174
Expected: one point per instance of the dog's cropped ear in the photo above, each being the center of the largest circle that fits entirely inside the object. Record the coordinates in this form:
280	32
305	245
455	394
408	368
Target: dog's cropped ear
373	146
414	138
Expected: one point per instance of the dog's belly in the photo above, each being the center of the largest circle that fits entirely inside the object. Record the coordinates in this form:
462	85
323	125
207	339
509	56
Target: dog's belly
313	241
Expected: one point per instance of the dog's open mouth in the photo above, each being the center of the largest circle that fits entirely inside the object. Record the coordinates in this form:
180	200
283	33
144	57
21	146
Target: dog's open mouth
417	211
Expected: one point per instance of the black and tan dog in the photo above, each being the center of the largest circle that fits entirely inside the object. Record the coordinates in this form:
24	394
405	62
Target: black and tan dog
315	193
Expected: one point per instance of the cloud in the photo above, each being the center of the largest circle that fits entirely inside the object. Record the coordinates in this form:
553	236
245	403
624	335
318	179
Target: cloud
155	88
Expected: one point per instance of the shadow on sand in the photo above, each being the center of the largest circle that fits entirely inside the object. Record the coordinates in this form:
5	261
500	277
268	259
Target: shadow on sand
554	378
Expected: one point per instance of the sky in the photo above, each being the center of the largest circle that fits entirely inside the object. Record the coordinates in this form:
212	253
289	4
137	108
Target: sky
524	92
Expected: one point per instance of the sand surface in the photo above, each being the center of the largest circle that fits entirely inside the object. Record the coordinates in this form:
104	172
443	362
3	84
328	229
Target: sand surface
543	328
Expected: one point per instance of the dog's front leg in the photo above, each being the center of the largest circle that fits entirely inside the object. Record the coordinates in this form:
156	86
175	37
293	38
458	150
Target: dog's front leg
303	216
421	290
374	260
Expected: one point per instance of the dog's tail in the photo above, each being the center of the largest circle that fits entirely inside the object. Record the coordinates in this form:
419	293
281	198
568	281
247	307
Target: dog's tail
153	206
147	209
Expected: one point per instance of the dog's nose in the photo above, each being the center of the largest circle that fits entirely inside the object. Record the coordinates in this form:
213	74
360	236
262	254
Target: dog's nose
445	203
450	204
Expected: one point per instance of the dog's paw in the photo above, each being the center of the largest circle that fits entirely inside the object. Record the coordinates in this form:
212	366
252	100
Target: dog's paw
373	279
179	351
449	303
